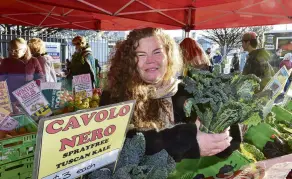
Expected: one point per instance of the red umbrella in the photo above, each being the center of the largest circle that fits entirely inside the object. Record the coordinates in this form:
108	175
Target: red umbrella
129	14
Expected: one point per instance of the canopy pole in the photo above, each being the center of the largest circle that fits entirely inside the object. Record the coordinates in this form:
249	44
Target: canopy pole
188	26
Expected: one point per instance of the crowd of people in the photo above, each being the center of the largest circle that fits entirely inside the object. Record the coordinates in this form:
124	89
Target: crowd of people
28	61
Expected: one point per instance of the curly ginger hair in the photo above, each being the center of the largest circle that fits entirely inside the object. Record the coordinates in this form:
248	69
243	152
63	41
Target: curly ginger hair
125	82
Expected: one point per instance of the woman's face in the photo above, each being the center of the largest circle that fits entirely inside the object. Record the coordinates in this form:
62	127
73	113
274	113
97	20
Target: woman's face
17	50
152	60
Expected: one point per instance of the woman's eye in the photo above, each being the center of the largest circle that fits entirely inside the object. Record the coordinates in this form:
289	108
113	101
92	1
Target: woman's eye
157	52
141	55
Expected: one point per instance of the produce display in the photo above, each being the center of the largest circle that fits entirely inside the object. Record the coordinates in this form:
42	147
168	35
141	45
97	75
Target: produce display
223	100
134	164
69	103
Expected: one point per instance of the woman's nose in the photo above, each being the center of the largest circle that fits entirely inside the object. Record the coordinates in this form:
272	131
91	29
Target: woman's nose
150	59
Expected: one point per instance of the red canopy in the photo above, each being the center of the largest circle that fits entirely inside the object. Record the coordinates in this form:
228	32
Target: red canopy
130	14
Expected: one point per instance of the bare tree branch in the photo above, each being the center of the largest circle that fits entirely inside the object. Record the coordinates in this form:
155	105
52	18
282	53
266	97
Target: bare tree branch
232	36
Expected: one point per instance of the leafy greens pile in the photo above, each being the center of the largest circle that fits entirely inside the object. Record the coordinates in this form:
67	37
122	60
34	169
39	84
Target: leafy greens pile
134	164
225	99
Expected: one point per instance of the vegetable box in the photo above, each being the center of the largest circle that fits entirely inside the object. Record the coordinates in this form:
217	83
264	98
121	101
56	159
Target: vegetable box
208	166
20	144
21	169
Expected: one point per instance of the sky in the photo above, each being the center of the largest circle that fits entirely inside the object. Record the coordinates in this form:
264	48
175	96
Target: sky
179	33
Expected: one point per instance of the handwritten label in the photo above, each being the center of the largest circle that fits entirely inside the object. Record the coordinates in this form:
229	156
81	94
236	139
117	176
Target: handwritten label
32	100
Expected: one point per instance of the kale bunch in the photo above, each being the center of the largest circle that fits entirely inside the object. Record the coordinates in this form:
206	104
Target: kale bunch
134	164
225	99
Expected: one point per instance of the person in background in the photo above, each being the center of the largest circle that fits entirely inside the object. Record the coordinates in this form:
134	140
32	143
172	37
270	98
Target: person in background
257	62
82	61
19	68
143	69
38	50
276	58
208	53
287	61
217	58
235	63
194	55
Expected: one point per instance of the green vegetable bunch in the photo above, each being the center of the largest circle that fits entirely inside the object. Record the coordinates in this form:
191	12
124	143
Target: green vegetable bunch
134	164
223	100
252	152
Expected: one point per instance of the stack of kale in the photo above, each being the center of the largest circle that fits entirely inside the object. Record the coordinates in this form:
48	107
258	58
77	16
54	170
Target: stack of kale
134	164
225	99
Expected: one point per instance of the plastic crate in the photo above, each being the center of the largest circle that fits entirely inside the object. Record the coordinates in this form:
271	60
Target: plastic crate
21	146
21	169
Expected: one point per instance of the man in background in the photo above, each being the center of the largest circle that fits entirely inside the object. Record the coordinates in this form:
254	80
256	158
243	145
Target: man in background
257	62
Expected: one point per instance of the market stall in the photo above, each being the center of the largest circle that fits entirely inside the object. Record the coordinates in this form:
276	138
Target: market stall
24	150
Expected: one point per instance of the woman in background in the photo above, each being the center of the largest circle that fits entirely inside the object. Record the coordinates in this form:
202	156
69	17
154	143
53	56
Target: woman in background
194	55
38	50
19	68
287	61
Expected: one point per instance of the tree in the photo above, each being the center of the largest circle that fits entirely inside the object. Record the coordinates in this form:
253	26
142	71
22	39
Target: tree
231	37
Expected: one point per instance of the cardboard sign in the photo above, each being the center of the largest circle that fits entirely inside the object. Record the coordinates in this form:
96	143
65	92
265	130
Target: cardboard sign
77	143
82	86
32	100
4	97
52	92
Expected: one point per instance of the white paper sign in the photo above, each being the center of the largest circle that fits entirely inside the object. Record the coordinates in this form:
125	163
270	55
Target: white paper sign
82	85
32	100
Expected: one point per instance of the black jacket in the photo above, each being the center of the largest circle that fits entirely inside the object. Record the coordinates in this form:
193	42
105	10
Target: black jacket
179	141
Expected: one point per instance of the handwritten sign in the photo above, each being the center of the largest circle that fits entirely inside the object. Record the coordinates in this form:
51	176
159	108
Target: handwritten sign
32	100
53	93
4	97
7	123
81	142
82	86
277	83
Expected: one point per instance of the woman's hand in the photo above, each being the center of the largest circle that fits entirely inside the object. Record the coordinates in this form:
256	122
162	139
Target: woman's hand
212	144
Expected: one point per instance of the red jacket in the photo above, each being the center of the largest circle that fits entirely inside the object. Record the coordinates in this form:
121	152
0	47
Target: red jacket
17	73
287	63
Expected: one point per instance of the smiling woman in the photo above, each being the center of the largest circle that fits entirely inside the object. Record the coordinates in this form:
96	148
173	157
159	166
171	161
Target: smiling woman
144	68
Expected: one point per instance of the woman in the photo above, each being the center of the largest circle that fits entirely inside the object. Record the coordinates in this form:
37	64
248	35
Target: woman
38	50
20	67
143	68
194	55
287	61
82	60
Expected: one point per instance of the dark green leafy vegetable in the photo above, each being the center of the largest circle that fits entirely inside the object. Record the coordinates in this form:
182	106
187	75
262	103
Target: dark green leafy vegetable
223	100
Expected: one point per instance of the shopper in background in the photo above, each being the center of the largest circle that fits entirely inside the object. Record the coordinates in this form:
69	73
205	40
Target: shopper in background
287	61
19	68
38	50
235	63
194	55
143	69
276	58
208	53
82	61
257	62
217	58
